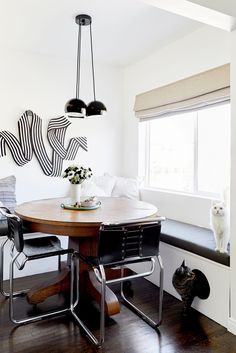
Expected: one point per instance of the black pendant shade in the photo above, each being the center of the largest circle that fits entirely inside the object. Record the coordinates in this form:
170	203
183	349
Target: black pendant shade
76	108
96	108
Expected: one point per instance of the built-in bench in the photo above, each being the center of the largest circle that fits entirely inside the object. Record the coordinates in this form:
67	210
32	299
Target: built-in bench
194	239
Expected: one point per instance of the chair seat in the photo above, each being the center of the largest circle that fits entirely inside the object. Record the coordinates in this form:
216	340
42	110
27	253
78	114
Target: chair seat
35	248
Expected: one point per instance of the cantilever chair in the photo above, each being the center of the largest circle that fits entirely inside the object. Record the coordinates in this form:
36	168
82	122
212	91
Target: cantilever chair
120	245
25	250
4	234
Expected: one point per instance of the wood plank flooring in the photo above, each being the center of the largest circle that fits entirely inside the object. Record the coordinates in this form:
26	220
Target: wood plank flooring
125	332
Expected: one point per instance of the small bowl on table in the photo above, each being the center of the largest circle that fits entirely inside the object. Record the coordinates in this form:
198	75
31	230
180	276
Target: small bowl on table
90	202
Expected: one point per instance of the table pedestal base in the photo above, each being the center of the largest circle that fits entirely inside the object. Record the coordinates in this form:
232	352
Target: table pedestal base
58	284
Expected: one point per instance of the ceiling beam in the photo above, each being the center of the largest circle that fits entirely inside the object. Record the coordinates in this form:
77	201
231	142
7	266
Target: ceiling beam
225	6
196	12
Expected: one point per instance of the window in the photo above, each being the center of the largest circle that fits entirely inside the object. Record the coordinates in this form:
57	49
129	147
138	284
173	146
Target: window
188	152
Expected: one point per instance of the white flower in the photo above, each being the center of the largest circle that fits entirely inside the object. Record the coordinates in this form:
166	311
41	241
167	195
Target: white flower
77	174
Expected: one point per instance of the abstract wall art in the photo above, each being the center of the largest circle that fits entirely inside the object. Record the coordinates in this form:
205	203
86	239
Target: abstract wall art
31	142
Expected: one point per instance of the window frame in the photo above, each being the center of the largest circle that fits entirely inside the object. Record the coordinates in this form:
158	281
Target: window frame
144	166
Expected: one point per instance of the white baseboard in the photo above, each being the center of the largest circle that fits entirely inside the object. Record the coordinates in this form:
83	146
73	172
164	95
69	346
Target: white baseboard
232	325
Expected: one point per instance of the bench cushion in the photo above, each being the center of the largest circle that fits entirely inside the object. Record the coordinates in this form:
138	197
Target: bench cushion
194	239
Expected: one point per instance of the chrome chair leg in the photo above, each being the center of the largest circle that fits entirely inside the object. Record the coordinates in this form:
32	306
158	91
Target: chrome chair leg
73	304
139	312
161	285
92	338
2	291
102	308
71	285
11	300
74	284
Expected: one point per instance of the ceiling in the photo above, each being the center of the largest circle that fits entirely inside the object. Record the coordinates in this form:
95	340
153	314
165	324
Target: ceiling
217	13
124	31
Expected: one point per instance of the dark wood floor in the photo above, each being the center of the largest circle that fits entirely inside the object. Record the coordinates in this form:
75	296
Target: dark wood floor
125	333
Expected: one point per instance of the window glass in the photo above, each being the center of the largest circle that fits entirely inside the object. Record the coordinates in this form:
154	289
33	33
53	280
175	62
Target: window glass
189	152
213	148
172	152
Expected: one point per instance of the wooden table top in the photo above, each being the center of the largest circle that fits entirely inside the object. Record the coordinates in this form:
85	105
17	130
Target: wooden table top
47	215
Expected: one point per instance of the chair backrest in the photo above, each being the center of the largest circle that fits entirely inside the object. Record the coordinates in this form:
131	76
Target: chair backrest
3	225
15	232
128	242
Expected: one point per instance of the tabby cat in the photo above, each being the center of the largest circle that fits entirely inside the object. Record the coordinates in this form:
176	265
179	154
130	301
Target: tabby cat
184	282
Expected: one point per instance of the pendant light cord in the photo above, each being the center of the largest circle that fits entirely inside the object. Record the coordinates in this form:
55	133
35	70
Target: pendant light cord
78	63
91	45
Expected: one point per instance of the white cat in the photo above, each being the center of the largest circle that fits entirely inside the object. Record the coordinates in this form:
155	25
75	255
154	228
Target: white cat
219	219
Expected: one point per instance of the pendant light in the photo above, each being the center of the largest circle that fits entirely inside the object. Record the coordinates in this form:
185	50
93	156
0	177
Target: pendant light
76	108
95	107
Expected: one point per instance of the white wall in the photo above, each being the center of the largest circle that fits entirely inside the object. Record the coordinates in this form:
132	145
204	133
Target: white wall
232	320
201	50
44	84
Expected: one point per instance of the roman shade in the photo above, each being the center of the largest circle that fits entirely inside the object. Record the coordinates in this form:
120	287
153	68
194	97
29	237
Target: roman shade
206	88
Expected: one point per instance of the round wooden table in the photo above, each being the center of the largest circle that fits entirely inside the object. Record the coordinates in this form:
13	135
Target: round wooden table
82	227
47	215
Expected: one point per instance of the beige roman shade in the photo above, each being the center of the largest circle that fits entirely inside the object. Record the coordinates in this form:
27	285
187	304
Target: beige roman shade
206	88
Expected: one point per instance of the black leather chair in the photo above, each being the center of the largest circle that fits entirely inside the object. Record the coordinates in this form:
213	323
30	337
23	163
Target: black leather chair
3	234
3	244
121	245
27	249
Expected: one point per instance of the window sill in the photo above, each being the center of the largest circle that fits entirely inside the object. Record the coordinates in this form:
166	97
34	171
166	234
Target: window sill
179	193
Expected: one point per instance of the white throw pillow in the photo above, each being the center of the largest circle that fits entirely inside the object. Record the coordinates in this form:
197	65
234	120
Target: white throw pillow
105	182
89	188
126	187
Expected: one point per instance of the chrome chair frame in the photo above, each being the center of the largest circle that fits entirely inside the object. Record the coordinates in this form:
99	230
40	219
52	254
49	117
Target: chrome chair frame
12	294
20	265
2	290
3	211
100	275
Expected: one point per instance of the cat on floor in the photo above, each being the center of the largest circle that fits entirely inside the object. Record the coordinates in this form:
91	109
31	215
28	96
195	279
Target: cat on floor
219	220
183	282
189	284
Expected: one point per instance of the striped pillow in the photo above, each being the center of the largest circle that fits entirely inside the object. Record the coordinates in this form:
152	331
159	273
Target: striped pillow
7	193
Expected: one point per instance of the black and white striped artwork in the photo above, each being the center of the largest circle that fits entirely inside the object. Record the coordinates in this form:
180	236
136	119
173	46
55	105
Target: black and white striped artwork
31	142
